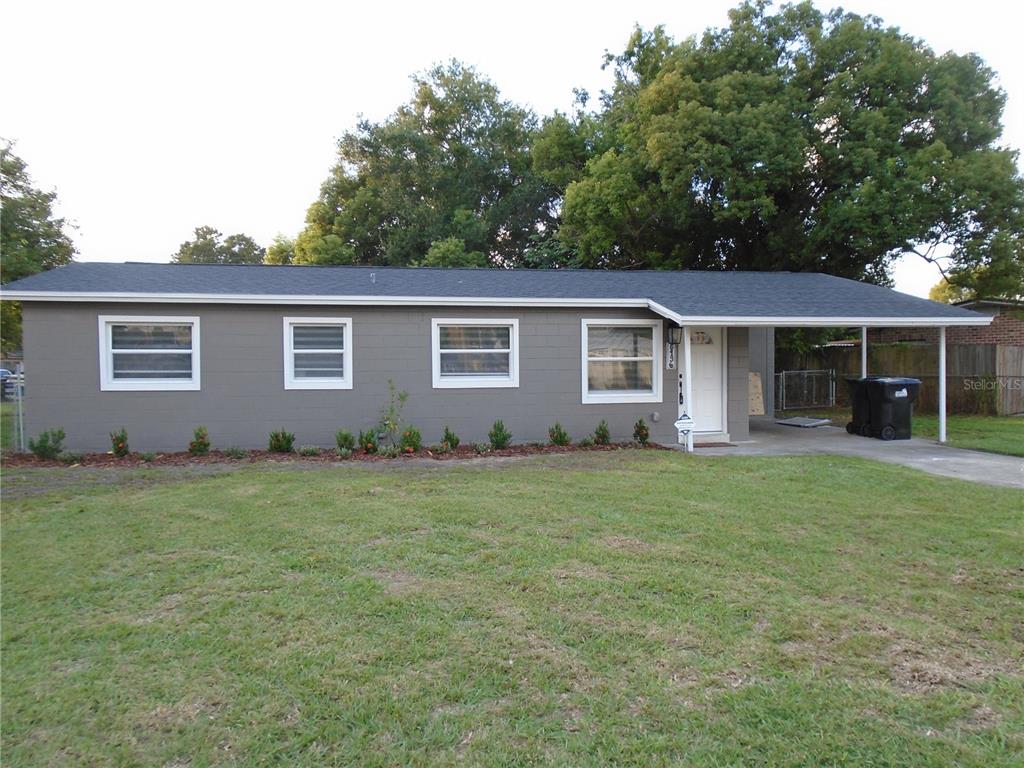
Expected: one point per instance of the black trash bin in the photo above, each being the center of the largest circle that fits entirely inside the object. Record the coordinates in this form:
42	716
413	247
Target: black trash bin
860	418
891	402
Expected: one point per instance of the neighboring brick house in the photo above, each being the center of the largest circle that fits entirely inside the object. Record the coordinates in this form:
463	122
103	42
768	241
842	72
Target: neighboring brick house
1007	329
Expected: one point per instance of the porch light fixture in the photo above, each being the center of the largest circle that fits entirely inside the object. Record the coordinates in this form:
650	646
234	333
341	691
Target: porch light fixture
675	335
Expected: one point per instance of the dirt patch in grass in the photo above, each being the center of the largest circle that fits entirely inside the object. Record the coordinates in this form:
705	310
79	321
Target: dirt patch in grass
575	571
185	712
167	607
917	670
981	718
397	582
628	544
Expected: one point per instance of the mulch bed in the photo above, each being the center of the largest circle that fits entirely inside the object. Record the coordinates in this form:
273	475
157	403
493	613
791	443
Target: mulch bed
182	458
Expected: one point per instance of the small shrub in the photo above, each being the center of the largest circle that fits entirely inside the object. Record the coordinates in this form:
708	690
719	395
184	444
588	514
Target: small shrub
309	450
390	424
450	439
344	440
411	440
499	436
587	442
281	442
389	451
119	443
368	441
200	445
602	435
345	453
558	436
147	456
481	448
234	452
641	434
49	444
70	457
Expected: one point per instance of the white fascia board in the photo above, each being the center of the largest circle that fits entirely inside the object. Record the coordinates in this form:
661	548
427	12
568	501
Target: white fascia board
315	300
485	301
814	322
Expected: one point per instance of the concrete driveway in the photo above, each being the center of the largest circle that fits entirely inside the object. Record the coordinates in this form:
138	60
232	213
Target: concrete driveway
770	439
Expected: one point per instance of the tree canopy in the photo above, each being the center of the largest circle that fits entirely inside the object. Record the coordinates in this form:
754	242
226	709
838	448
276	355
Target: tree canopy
447	178
209	246
280	251
797	140
32	238
791	139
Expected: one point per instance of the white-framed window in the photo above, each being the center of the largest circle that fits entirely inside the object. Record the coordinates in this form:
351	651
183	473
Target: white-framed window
475	353
148	353
318	353
621	361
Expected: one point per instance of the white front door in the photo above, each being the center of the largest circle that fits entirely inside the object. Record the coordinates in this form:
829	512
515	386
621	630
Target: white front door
707	353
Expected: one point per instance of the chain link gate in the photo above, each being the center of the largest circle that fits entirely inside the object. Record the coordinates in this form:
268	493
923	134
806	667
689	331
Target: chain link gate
805	389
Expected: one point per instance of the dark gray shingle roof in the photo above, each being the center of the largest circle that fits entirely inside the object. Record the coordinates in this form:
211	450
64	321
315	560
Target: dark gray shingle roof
688	294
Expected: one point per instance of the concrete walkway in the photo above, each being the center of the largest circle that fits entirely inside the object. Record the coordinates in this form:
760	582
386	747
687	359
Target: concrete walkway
770	439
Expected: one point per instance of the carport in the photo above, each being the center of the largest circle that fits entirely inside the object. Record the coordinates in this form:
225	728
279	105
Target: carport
939	320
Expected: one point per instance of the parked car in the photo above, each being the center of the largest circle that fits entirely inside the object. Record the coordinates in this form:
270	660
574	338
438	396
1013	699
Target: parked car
9	383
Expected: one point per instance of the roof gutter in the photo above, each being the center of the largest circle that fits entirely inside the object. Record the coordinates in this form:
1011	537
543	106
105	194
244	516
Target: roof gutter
493	301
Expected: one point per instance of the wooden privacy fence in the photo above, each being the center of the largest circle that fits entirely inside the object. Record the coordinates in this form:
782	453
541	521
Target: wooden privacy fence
980	378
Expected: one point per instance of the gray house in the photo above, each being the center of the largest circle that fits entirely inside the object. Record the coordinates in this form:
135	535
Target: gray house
243	350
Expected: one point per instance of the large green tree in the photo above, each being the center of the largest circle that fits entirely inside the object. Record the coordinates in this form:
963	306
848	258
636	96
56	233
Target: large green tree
793	140
32	238
280	251
447	179
209	246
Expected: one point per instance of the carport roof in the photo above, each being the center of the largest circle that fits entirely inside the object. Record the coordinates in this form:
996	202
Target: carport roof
726	298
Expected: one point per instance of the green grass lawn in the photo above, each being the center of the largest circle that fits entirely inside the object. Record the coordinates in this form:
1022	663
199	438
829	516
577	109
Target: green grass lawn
633	608
8	426
995	434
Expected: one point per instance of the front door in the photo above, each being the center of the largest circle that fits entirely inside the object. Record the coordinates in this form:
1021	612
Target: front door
707	353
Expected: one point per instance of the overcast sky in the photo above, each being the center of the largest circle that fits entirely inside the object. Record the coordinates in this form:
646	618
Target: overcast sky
151	119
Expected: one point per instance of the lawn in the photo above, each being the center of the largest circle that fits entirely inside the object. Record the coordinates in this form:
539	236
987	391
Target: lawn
633	608
995	434
8	425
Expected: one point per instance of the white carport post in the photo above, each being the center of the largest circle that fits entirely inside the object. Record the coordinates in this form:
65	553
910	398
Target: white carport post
942	384
687	384
863	351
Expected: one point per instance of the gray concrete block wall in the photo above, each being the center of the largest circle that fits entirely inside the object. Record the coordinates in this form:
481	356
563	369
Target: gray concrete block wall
738	394
243	397
762	361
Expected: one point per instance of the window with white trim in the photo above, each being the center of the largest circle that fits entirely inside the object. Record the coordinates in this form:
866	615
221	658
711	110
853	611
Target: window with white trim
318	353
475	353
148	353
621	361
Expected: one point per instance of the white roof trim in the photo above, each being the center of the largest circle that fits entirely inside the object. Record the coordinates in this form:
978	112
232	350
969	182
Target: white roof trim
813	321
315	299
479	301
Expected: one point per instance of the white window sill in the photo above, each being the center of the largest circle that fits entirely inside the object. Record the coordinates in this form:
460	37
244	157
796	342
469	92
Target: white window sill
313	384
622	397
472	382
150	385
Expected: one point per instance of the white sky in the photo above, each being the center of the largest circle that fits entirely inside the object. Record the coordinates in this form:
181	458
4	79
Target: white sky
151	118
